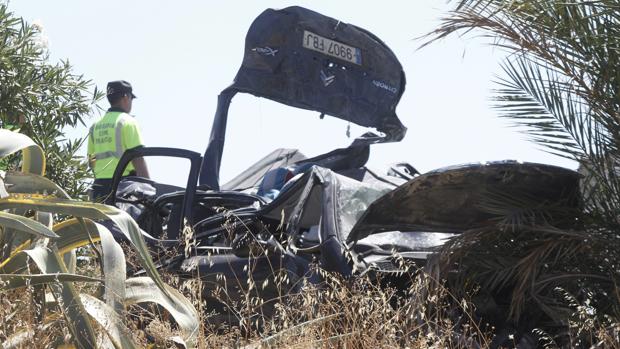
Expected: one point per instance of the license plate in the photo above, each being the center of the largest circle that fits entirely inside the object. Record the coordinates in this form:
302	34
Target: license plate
332	48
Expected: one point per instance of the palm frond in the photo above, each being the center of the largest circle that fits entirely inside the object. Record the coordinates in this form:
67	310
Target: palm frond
560	84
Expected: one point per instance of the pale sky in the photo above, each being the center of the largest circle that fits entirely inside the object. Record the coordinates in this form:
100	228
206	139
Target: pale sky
180	55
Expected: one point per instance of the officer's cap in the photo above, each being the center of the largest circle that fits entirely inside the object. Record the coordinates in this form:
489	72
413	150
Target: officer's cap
120	87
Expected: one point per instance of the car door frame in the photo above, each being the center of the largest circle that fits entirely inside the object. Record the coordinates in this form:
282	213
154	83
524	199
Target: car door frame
192	179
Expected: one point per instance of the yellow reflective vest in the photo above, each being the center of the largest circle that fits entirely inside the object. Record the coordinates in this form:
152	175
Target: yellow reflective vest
108	138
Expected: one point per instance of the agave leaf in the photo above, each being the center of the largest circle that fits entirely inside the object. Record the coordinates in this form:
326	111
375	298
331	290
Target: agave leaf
72	235
33	156
13	228
44	218
17	263
22	246
12	281
49	262
109	320
143	289
93	211
3	192
29	183
76	233
21	223
114	269
70	260
69	237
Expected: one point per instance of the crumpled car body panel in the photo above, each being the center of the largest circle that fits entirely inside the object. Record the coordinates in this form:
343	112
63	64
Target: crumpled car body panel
453	198
288	210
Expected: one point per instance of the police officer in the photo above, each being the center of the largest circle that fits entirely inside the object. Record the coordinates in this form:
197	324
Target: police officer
110	136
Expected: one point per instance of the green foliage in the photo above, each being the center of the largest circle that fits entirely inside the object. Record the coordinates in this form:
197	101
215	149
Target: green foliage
561	85
43	100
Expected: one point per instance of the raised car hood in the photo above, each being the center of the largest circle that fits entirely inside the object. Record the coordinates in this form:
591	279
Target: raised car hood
458	198
301	58
306	60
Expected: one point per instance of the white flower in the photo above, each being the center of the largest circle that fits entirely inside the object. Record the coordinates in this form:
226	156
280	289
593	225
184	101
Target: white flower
38	25
41	38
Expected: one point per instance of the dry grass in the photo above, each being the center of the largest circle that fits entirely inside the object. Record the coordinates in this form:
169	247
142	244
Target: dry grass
365	313
362	312
354	313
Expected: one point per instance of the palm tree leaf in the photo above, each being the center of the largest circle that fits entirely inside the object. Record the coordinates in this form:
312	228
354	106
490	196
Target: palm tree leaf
560	85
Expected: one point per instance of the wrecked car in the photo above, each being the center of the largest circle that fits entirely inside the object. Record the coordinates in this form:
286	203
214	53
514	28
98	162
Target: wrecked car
287	212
